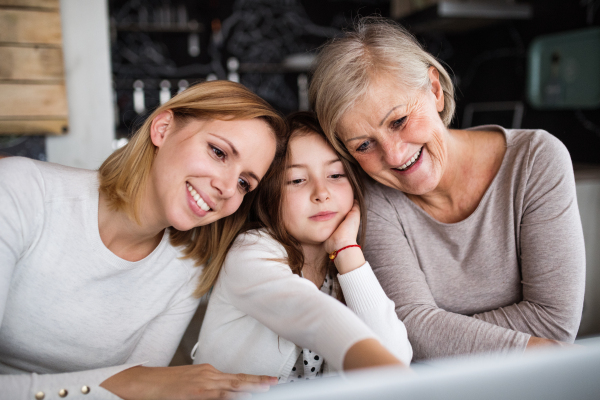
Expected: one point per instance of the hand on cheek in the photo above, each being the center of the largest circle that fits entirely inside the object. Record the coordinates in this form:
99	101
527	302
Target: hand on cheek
346	232
345	235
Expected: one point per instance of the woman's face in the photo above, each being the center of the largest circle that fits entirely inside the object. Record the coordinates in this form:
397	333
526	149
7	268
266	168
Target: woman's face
318	194
397	135
203	168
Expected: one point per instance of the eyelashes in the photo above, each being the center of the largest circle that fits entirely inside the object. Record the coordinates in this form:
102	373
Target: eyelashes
364	146
398	123
220	154
244	185
302	180
367	144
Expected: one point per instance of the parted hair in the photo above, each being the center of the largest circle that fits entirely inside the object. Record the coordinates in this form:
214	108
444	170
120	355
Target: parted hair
268	207
346	65
125	173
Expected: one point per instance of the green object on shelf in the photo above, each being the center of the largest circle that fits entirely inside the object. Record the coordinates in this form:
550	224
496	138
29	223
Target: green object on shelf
563	70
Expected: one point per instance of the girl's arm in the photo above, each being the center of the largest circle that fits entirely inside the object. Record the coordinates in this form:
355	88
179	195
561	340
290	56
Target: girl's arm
257	283
362	291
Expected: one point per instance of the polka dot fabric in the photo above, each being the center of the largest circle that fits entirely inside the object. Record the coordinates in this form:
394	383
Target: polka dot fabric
309	364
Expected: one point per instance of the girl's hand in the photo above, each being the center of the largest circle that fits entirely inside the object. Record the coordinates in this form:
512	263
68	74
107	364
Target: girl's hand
346	232
185	382
345	235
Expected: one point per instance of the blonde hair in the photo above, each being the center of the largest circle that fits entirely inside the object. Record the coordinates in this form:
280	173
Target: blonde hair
345	66
125	172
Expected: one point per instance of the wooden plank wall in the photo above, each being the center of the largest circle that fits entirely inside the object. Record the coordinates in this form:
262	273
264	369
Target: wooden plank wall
33	99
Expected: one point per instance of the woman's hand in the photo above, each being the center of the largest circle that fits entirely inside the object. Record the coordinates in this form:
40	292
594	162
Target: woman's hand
538	343
346	232
345	235
185	382
369	353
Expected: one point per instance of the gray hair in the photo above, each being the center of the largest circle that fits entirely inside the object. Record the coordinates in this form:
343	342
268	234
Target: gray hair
345	66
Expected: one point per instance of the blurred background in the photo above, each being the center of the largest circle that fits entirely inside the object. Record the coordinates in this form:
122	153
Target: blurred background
78	77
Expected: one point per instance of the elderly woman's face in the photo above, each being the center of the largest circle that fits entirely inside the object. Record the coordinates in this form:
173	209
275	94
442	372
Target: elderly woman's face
397	135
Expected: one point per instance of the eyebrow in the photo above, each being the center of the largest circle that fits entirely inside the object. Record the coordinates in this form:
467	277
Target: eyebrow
253	176
306	166
233	149
381	123
389	112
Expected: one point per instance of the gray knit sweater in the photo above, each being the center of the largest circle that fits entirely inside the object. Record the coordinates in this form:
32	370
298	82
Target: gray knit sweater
514	268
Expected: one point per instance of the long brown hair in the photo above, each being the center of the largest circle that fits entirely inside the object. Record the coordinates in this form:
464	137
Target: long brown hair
267	210
125	172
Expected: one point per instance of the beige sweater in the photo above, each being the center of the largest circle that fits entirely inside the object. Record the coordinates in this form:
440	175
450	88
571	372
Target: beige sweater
513	268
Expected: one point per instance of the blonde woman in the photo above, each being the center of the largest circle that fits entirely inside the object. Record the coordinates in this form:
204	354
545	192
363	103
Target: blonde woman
98	269
474	234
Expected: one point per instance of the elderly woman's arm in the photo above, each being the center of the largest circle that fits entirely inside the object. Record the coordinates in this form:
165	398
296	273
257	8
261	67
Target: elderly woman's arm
552	253
552	267
432	331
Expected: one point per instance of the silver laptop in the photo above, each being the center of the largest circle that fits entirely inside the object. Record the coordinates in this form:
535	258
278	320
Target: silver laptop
550	374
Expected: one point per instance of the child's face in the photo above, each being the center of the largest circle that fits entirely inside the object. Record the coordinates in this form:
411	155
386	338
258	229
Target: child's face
318	194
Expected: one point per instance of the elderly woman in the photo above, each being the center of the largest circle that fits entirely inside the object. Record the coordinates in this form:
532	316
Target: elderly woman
474	234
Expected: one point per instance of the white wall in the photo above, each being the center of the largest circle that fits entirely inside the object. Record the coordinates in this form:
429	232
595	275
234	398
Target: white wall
588	198
86	46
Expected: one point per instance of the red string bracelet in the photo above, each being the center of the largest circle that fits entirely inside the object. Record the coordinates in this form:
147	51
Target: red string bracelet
334	254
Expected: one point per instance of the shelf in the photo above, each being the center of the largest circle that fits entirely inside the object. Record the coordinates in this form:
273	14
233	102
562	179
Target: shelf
458	16
190	27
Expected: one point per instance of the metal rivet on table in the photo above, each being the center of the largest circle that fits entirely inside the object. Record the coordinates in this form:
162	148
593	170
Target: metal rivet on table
85	389
40	396
63	392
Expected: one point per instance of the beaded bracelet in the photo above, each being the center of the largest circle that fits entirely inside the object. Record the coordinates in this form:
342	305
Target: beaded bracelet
334	254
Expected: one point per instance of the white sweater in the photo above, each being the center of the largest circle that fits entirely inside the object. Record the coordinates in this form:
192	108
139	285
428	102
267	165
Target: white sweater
260	314
67	303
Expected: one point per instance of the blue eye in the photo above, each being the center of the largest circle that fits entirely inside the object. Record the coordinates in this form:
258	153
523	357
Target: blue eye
398	123
364	146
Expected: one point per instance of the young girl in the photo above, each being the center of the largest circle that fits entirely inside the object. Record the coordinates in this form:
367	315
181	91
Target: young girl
273	309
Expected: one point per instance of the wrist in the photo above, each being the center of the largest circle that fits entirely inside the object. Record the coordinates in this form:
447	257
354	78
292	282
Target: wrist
131	383
349	260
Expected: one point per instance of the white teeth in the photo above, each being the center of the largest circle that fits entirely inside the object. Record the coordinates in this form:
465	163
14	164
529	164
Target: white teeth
202	204
411	161
199	201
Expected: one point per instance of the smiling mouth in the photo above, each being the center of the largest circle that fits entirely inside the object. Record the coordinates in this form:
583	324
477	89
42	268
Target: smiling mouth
412	161
197	198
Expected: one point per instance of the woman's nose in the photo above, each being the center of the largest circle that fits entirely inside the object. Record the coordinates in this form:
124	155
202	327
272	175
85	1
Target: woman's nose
393	152
226	184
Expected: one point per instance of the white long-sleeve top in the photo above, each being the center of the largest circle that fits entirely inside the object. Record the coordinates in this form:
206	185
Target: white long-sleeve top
260	314
72	313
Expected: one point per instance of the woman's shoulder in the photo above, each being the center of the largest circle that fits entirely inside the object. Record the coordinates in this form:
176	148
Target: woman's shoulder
51	178
19	168
381	197
543	151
